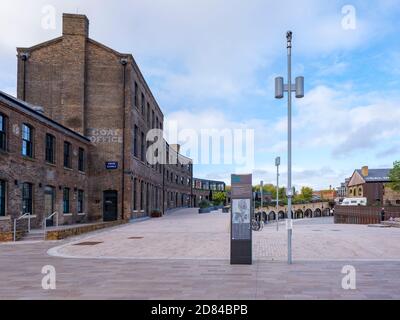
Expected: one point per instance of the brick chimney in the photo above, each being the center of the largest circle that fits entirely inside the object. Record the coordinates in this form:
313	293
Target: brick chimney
364	171
75	24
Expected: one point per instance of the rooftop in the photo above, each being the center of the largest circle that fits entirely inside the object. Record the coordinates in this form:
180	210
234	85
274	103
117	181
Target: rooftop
375	175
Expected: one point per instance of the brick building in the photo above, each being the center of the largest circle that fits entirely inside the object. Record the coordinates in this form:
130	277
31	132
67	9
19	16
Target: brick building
43	167
372	184
96	99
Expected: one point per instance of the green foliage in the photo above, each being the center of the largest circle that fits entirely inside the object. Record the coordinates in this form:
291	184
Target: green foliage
306	193
394	176
304	196
204	204
270	188
218	198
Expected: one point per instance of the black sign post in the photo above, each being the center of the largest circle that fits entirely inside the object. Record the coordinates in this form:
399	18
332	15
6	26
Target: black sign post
241	213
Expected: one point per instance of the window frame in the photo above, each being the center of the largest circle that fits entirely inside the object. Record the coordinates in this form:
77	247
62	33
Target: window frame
27	200
81	201
135	141
134	207
143	102
3	199
27	145
66	200
67	159
3	132
81	160
136	97
142	147
53	149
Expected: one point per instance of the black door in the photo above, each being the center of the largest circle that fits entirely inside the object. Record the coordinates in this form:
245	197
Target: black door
49	198
110	205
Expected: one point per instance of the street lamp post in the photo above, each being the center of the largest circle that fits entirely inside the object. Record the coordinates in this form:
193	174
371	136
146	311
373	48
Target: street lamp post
280	88
261	193
277	163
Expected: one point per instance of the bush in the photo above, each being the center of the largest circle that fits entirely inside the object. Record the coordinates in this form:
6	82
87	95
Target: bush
204	204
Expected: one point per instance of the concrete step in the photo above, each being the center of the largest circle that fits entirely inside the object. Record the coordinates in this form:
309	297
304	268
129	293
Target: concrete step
33	236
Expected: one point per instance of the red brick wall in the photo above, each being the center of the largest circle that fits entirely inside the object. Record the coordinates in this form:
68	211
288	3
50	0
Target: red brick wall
16	169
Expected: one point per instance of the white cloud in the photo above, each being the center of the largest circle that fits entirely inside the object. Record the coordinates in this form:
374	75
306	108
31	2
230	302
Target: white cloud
336	119
219	44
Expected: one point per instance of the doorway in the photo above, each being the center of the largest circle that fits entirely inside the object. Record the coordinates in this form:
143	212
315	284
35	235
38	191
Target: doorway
110	205
49	200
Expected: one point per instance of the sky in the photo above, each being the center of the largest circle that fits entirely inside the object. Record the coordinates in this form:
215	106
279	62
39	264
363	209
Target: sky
211	64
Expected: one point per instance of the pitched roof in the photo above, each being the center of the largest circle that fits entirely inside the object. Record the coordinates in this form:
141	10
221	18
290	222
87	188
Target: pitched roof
376	175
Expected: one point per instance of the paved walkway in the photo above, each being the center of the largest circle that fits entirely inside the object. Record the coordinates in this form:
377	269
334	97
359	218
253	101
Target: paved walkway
188	235
192	278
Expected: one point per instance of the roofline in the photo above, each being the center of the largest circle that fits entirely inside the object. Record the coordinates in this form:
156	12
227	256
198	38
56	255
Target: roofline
40	45
209	180
14	102
134	65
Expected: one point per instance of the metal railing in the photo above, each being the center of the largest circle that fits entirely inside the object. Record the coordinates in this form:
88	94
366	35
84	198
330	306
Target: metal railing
19	218
55	213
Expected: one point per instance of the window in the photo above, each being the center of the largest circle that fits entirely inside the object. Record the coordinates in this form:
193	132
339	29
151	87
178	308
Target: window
27	198
50	148
157	122
134	194
136	94
81	197
152	119
67	154
3	133
135	141
2	198
142	148
66	200
81	160
143	103
148	114
141	195
27	143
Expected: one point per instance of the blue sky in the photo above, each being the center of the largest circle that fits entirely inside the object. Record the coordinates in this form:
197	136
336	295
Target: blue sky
211	64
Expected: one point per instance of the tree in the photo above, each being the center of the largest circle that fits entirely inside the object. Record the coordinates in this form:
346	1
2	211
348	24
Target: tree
218	198
394	176
306	193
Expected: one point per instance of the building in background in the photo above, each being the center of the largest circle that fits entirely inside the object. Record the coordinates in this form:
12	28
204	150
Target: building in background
203	189
372	184
329	194
342	190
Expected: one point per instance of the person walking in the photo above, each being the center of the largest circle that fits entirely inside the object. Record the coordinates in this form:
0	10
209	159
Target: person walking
383	214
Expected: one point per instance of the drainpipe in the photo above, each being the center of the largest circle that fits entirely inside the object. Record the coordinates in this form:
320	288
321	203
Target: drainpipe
124	62
24	57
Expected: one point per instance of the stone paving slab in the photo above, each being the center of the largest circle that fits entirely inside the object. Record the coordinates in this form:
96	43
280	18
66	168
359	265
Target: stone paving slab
188	235
203	278
21	277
